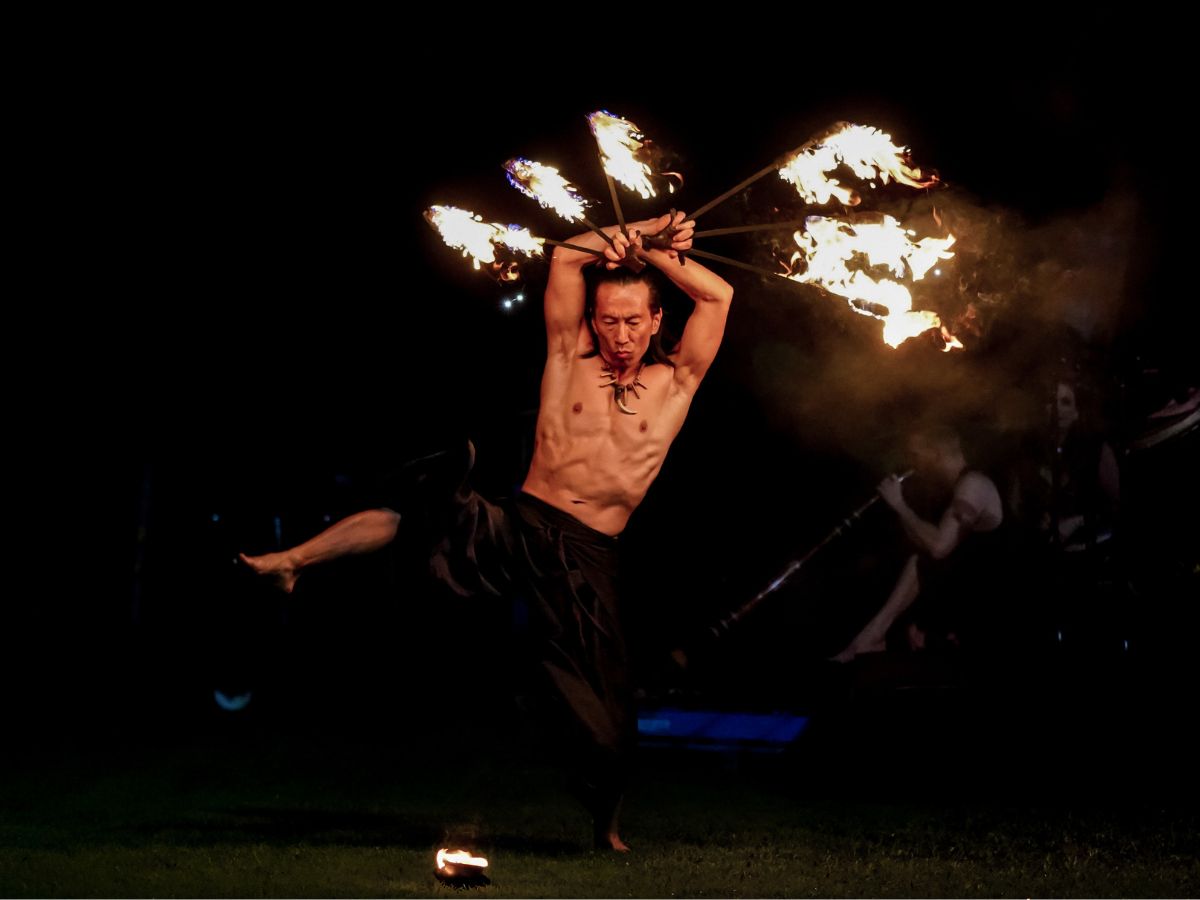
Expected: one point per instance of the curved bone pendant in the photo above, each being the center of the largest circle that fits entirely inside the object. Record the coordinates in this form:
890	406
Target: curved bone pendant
619	396
619	390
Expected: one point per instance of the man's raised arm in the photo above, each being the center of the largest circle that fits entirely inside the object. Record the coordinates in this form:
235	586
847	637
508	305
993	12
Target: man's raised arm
711	293
565	292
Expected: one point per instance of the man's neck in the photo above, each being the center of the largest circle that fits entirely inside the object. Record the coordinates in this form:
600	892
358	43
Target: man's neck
622	370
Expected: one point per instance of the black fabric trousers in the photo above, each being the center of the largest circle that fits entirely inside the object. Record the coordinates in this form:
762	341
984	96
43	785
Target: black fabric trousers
566	572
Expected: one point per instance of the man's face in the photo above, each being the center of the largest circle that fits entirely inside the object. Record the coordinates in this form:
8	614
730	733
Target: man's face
624	322
1068	412
928	458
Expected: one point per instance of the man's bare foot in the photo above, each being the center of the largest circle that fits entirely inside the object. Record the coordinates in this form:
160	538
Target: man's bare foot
916	637
606	824
275	566
614	842
1178	407
845	656
857	647
606	837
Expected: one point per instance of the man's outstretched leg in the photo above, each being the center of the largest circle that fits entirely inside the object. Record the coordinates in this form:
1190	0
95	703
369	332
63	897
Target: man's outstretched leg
362	532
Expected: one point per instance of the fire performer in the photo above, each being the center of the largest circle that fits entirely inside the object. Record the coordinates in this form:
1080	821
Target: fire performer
952	556
612	401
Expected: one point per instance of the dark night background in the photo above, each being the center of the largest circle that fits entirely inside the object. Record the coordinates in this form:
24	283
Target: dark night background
270	327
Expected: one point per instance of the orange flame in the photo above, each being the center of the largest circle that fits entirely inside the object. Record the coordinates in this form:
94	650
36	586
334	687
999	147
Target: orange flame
865	150
620	142
547	187
506	271
827	246
952	343
464	230
459	858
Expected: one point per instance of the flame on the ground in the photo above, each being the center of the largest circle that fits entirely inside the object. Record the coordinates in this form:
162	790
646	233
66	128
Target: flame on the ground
545	185
865	150
621	143
828	246
459	858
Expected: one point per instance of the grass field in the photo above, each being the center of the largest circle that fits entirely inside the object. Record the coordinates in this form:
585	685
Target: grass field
247	809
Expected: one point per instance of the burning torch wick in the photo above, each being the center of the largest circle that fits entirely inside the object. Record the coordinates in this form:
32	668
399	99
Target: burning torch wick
461	858
767	273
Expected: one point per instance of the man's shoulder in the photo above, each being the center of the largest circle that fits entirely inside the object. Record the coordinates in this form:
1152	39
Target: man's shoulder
977	490
974	478
976	486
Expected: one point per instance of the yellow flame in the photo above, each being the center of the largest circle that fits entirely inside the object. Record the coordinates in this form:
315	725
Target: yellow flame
464	230
827	246
807	172
547	187
925	254
620	140
899	327
459	857
520	240
865	150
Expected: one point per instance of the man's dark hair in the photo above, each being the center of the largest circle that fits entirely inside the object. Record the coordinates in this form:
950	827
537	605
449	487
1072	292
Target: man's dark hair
662	343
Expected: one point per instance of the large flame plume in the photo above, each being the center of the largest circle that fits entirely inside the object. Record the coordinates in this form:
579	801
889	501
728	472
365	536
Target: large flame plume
865	150
828	247
622	151
466	231
545	185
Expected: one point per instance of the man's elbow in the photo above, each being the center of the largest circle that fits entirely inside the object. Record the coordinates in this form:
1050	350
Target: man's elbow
941	550
720	293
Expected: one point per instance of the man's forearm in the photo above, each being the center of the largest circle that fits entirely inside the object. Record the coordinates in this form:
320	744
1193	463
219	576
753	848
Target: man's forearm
565	256
593	241
701	284
923	534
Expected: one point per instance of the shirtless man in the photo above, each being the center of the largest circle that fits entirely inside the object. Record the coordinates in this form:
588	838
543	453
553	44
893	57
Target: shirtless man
593	458
611	404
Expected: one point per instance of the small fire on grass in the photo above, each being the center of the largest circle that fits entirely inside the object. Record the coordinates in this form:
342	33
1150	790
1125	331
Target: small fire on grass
460	868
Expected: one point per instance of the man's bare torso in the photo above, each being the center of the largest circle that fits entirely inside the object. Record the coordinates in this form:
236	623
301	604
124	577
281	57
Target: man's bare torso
592	460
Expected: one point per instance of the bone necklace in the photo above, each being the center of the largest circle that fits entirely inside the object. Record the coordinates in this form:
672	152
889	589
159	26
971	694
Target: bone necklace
619	390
